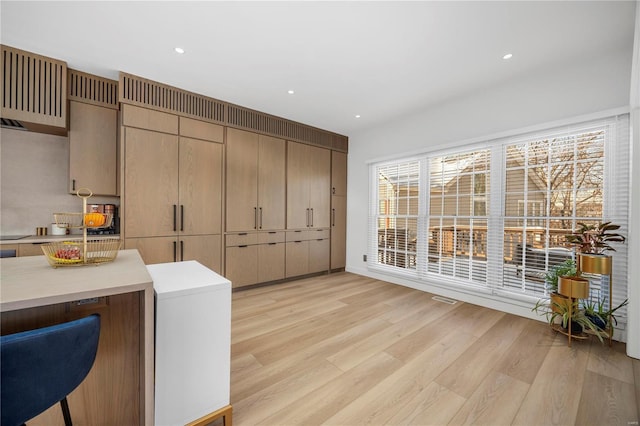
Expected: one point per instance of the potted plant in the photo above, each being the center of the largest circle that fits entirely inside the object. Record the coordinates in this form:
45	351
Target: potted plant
559	313
591	243
568	267
598	314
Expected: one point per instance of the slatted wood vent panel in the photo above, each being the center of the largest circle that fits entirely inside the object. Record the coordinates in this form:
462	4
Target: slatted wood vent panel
34	89
92	89
146	93
249	119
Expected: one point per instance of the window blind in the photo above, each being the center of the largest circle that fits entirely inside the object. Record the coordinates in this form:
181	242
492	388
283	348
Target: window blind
497	216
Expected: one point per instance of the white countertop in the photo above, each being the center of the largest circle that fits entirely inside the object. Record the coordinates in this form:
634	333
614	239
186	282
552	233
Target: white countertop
38	239
27	282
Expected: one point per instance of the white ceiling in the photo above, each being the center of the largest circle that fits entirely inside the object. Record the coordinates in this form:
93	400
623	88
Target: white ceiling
376	59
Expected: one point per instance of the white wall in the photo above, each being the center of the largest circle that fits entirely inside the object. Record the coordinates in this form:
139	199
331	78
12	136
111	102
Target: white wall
34	174
633	336
527	101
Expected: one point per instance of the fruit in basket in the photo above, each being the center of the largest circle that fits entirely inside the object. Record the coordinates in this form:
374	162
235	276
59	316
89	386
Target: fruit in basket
69	253
94	219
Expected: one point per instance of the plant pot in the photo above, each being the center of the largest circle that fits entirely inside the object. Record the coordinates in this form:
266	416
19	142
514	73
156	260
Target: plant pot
559	303
573	287
595	263
597	321
576	328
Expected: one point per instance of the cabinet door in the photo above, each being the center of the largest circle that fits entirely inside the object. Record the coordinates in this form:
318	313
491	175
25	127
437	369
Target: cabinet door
319	177
92	148
241	265
200	187
271	183
271	262
297	186
242	180
151	183
338	231
297	258
206	249
154	250
319	255
338	173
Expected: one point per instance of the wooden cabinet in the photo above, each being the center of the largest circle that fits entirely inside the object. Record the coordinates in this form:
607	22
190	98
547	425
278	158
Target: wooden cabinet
338	231
307	252
253	258
92	148
150	184
338	173
338	209
255	167
308	186
172	188
203	248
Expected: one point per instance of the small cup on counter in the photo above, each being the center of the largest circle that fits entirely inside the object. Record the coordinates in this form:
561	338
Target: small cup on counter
59	229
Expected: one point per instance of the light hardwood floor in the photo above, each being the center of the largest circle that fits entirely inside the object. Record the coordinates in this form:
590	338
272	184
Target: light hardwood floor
343	349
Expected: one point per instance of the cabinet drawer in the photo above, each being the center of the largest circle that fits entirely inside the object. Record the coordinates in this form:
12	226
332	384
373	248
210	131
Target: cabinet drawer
271	237
33	249
318	234
297	236
242	239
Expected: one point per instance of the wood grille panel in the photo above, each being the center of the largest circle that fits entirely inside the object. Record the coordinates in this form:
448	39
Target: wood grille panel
34	88
92	89
146	93
149	94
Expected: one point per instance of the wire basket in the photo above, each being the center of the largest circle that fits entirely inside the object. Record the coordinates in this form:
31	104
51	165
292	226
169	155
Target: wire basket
81	220
75	253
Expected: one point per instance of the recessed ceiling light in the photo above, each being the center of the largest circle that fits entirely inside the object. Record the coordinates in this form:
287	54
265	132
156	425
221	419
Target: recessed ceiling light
291	92
508	56
179	50
357	115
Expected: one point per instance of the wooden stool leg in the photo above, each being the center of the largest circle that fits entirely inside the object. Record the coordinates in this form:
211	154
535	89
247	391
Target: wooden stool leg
224	412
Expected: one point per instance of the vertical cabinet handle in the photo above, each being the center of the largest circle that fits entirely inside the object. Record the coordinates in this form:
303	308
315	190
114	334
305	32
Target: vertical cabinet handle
182	217
307	218
175	252
73	184
333	190
174	216
260	221
311	217
255	218
181	250
333	217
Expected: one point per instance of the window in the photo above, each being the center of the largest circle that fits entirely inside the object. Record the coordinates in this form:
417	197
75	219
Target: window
495	216
457	221
398	187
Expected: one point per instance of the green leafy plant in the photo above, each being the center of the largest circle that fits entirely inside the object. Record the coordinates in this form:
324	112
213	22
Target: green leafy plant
566	268
555	311
595	239
598	312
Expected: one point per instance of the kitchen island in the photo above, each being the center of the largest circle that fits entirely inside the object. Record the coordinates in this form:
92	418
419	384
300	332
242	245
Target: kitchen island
119	389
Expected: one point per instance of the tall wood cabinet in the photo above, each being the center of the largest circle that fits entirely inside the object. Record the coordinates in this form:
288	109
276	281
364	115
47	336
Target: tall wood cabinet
308	186
173	187
255	168
338	209
255	208
93	146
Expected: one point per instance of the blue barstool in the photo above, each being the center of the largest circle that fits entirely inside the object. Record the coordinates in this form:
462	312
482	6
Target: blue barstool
41	367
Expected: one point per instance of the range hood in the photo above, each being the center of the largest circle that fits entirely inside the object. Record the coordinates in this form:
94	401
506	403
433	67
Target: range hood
34	92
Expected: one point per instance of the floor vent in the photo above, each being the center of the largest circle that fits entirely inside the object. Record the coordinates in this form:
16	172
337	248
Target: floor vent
444	300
